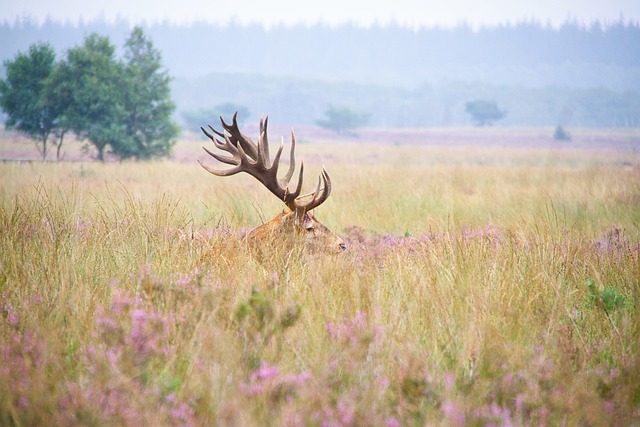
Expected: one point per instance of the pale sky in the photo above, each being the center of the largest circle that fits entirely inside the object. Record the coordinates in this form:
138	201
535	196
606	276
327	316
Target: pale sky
413	13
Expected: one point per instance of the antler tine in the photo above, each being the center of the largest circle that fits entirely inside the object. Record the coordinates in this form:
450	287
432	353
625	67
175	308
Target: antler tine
217	132
228	172
228	160
290	198
227	146
263	142
238	138
292	158
215	141
246	156
284	182
211	137
323	190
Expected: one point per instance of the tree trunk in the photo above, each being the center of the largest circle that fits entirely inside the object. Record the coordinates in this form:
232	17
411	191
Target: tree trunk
42	151
58	158
101	146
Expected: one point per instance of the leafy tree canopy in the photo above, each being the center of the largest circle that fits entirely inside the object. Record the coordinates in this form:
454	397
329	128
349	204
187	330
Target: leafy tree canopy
22	95
149	128
343	120
484	113
94	95
123	106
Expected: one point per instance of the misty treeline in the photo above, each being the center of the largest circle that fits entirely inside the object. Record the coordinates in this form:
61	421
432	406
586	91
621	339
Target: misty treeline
527	53
575	75
301	101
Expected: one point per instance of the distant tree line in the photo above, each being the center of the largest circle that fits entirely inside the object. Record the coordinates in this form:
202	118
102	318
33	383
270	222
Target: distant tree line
577	75
120	106
530	53
306	102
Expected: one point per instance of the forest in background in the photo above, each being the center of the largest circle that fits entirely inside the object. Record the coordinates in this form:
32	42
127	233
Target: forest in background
585	75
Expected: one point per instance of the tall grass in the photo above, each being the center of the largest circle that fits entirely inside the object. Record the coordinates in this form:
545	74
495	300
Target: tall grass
473	292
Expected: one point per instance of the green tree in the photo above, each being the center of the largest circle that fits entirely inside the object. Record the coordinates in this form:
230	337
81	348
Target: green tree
56	95
22	97
561	135
93	92
343	120
149	129
484	113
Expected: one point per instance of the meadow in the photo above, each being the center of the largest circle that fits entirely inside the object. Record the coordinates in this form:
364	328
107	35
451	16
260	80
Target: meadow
492	277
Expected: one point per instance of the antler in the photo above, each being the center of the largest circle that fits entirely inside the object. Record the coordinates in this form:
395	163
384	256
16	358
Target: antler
252	158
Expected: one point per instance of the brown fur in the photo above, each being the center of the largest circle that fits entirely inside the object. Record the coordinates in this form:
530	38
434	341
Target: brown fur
288	227
296	228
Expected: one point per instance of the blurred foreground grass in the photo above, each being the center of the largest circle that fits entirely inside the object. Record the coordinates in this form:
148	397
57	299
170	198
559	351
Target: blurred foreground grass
482	285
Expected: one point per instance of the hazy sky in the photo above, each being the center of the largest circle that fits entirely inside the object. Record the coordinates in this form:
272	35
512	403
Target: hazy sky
364	12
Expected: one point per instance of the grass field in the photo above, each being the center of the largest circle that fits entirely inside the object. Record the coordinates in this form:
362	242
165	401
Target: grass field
492	277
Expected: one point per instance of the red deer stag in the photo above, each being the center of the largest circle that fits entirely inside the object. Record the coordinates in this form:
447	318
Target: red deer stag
295	224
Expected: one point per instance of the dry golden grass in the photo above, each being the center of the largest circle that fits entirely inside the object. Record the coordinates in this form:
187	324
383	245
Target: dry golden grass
481	285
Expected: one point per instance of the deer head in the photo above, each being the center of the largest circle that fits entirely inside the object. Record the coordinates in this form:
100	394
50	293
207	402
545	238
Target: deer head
295	224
